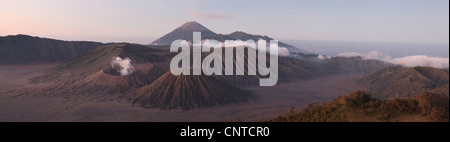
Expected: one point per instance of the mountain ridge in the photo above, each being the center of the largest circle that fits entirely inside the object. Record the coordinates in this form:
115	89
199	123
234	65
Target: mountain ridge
25	49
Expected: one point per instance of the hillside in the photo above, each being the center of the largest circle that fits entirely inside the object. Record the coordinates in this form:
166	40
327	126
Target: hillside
361	106
23	49
395	82
187	92
355	64
98	60
442	90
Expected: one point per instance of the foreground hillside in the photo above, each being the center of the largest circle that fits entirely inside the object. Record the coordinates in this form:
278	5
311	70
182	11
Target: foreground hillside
23	49
361	106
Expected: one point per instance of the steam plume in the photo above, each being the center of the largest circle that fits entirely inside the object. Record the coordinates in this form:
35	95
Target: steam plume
123	66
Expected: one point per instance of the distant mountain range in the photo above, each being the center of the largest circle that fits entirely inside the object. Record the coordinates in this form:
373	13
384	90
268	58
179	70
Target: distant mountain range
24	49
186	30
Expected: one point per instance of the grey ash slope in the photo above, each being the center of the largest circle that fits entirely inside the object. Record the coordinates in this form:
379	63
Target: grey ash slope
188	92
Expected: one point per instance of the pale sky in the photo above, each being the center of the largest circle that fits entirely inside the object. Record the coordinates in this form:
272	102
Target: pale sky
142	21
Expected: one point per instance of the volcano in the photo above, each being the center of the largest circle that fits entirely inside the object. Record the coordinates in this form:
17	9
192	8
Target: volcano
184	32
187	92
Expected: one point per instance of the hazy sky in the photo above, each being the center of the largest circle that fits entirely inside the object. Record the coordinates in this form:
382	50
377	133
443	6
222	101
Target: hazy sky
142	21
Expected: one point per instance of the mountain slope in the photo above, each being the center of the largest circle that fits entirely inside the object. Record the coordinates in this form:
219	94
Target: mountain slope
91	74
394	82
187	92
100	59
441	90
355	64
23	49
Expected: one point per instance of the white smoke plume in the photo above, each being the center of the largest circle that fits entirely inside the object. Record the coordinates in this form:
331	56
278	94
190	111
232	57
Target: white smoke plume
407	61
123	66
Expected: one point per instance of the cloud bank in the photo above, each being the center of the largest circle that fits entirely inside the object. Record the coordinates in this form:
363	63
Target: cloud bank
282	51
408	61
370	55
422	60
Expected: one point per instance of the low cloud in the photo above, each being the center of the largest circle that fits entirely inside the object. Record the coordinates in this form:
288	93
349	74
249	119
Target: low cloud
350	54
323	57
207	15
408	61
282	51
422	60
370	55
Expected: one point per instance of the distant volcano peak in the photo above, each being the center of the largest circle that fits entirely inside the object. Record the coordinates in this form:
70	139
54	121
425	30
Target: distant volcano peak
192	26
184	32
238	32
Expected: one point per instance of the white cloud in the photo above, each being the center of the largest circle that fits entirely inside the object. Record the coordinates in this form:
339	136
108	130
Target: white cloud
408	61
322	57
350	54
283	51
421	60
370	55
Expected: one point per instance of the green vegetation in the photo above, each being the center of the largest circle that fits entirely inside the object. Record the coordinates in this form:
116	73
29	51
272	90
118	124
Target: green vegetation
361	106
